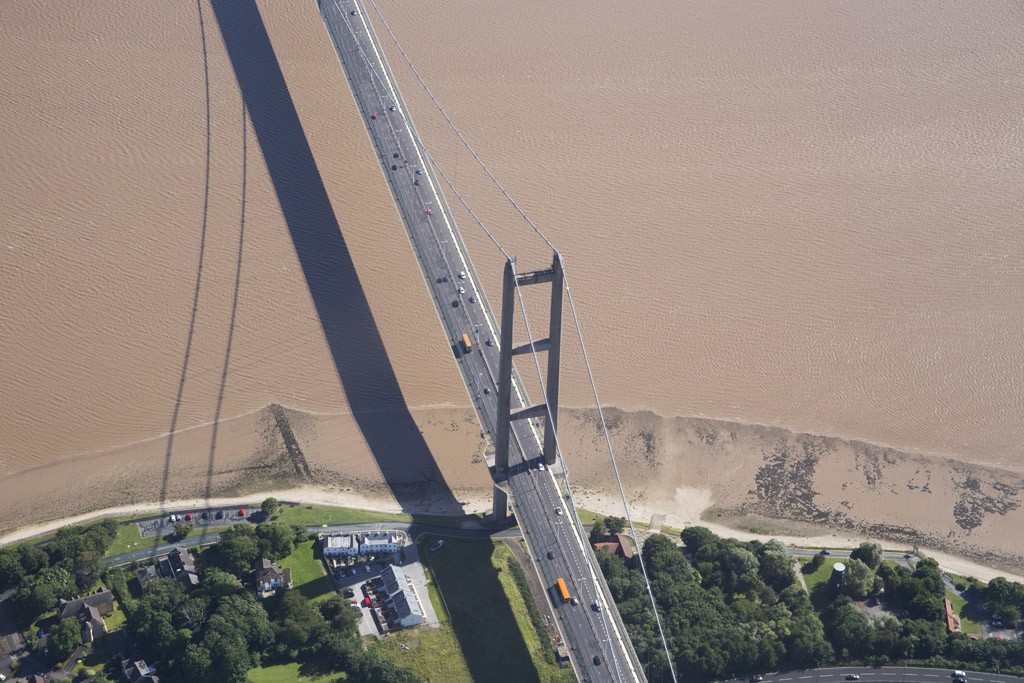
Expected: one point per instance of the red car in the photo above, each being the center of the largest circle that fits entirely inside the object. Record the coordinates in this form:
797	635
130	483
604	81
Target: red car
241	513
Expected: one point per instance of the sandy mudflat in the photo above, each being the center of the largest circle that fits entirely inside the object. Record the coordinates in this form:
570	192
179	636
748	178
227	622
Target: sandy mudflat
783	215
761	481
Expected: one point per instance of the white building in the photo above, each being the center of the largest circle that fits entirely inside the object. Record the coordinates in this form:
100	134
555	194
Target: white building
378	543
342	545
402	597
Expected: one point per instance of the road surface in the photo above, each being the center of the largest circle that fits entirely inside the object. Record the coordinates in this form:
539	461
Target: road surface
885	674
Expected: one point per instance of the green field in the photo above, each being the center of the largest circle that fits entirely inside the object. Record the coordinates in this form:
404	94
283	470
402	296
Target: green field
316	515
308	573
115	620
489	619
285	673
967	625
816	581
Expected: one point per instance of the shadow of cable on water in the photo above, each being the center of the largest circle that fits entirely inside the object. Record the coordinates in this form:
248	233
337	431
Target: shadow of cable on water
351	332
201	259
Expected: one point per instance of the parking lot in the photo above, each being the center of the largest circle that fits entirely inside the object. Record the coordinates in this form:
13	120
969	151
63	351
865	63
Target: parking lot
199	519
356	575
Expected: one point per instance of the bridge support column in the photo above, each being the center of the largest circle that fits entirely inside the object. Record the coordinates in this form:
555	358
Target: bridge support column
549	409
499	511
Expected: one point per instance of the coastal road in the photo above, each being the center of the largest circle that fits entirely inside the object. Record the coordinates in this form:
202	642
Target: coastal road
599	647
885	674
413	529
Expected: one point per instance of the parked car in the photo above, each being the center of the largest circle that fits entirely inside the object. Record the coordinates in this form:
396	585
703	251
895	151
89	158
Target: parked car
826	551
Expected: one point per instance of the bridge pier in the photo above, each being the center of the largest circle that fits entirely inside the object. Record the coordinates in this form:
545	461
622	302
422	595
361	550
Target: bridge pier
552	344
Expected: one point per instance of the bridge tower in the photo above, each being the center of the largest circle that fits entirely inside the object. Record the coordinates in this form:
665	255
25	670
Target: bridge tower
553	346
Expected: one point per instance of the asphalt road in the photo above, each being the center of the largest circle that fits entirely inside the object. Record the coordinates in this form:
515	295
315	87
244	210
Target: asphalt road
414	529
885	674
463	309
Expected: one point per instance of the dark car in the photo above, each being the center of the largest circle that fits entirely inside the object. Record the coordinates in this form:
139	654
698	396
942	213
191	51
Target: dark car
826	551
349	593
551	554
597	660
220	514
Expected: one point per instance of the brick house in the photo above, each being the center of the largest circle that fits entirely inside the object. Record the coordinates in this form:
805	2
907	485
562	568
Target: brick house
270	577
89	610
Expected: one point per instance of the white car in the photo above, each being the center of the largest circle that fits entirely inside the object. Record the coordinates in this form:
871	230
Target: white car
540	466
558	511
462	275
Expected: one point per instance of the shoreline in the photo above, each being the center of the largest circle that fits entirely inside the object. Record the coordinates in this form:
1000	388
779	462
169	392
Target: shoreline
316	496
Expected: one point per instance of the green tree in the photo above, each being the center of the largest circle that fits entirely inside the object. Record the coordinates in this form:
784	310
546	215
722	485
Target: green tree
10	568
238	550
64	638
814	564
776	566
858	580
597	531
1008	614
276	541
181	530
33	559
270	507
696	538
847	628
869	553
32	600
615	525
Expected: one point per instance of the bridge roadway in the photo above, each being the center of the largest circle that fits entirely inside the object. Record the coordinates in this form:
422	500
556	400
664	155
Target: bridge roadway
599	647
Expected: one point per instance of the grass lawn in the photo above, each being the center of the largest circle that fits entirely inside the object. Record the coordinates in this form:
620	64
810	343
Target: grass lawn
315	515
968	626
116	620
308	573
127	539
285	673
94	660
489	618
816	581
432	653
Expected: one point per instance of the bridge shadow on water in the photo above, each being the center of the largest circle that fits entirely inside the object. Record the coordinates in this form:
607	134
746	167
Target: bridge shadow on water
357	350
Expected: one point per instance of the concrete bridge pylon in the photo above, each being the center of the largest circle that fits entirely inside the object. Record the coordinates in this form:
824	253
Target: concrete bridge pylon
552	344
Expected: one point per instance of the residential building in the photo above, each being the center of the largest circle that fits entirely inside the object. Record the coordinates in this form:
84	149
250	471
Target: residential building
621	546
183	567
89	610
146	575
270	577
378	543
138	671
401	598
952	620
340	545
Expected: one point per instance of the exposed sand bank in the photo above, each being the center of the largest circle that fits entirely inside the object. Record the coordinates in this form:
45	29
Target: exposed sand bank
746	481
